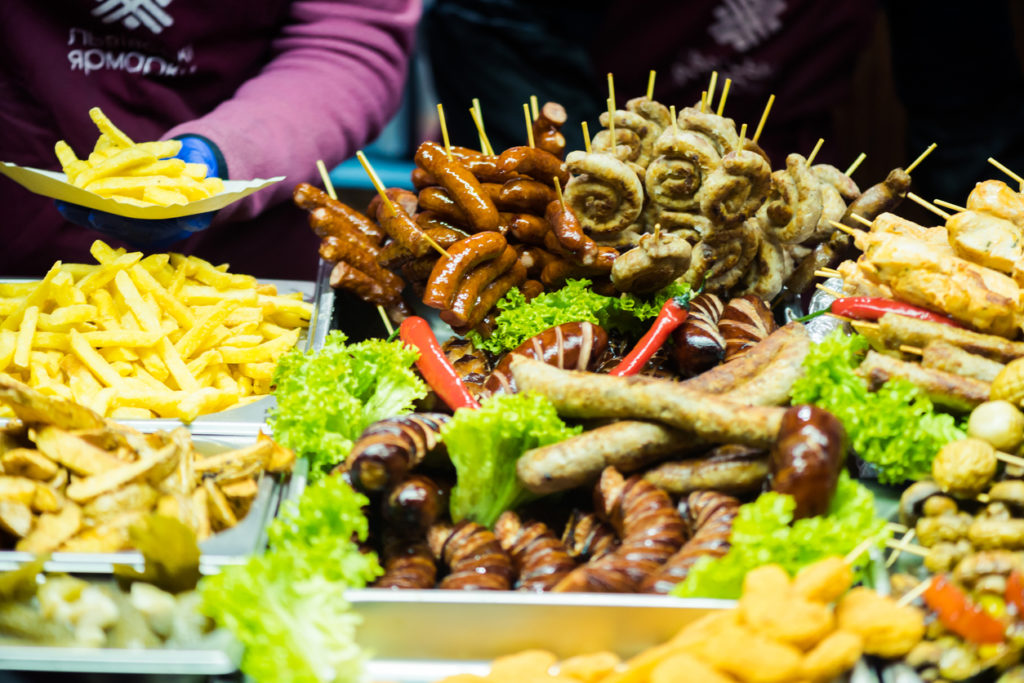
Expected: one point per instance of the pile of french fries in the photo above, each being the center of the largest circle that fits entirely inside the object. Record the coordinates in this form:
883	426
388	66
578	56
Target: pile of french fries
142	174
72	481
136	337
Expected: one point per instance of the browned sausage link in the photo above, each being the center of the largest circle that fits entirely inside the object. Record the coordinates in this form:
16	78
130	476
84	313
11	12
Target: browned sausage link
446	233
536	163
534	259
407	565
403	198
531	289
463	256
418	270
711	516
415	504
745	321
566	227
438	201
539	558
349	250
525	227
388	449
327	224
311	198
546	129
525	196
557	270
514	277
403	229
807	457
394	254
650	528
421	179
344	276
475	281
697	343
574	346
877	199
475	558
461	184
586	537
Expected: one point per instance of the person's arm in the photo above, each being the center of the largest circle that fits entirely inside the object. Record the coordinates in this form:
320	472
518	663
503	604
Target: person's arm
333	81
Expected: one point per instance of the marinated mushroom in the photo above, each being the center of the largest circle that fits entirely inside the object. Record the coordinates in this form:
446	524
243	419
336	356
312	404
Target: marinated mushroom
966	467
998	422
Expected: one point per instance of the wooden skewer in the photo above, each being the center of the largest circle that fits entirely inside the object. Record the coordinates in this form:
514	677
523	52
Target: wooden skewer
533	107
485	144
928	205
827	272
444	131
725	94
703	101
657	228
1010	459
831	292
814	152
896	527
586	137
712	85
650	84
949	205
611	91
847	229
918	160
907	548
856	164
859	550
558	191
907	537
764	117
375	179
743	136
675	121
858	324
611	123
1005	170
529	123
914	593
860	219
915	350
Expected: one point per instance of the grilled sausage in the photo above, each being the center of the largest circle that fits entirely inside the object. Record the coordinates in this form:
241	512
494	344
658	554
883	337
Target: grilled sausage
398	196
415	504
807	458
534	162
350	251
727	469
877	199
697	343
953	392
566	228
745	321
463	256
475	558
407	565
437	201
310	198
389	448
344	276
547	128
651	531
586	537
461	184
513	277
711	517
468	292
539	558
525	227
523	195
326	223
570	345
400	227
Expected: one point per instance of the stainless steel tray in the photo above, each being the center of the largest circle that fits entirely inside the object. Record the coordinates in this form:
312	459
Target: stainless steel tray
225	548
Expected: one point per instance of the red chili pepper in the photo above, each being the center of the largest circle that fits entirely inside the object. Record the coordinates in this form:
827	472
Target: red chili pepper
873	308
1015	592
960	615
434	365
671	316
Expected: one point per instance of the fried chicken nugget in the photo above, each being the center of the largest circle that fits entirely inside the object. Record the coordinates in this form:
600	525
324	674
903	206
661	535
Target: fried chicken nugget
833	656
521	664
824	581
770	606
889	630
750	656
589	668
685	668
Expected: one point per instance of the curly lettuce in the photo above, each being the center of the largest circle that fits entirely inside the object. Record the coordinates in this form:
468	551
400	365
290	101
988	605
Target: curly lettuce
287	607
326	399
574	302
895	428
764	533
484	445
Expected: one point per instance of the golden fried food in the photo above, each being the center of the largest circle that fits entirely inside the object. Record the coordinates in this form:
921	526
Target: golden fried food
834	655
888	629
824	581
685	668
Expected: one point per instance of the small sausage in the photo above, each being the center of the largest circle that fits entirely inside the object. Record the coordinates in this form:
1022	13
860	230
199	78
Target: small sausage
475	558
523	195
574	346
327	224
877	199
473	284
513	277
348	249
394	254
463	256
344	276
388	449
566	228
546	128
400	226
407	565
421	179
310	198
398	196
558	270
586	537
428	220
535	259
439	202
697	343
731	469
538	556
525	227
536	163
461	184
745	321
807	458
415	504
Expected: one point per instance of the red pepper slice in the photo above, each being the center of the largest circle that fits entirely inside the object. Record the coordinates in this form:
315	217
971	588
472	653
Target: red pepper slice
434	365
873	308
1015	591
673	313
960	615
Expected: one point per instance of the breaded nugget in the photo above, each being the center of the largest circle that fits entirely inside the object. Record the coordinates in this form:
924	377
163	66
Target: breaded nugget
889	630
834	655
685	668
824	581
750	656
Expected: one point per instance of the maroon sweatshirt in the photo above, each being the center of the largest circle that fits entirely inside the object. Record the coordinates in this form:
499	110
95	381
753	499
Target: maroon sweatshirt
275	84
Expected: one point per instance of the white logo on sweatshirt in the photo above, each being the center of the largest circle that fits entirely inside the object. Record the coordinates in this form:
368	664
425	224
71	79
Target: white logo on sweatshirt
743	24
135	13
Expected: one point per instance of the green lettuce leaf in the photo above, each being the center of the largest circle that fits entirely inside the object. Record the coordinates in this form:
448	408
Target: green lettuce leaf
287	606
326	399
763	534
895	428
574	302
484	445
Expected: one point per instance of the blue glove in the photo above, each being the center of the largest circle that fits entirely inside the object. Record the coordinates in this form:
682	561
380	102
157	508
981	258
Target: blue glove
161	233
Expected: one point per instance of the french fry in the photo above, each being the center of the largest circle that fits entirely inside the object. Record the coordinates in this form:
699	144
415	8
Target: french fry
90	487
73	452
162	148
108	129
26	462
17	489
94	361
16	518
108	537
147	316
220	512
52	531
189	343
